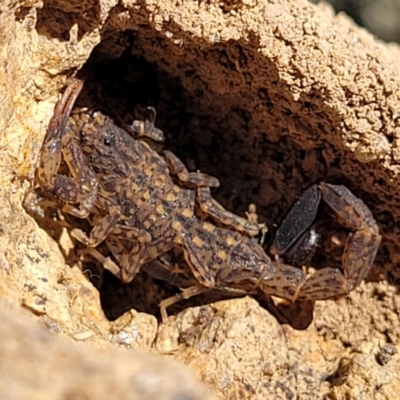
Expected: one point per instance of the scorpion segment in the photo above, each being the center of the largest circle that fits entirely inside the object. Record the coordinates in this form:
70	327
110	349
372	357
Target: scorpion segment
209	206
82	186
219	257
147	128
197	253
284	281
364	238
359	251
246	265
195	179
294	235
50	154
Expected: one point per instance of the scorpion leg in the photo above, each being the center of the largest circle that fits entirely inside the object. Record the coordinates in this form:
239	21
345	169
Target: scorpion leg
359	252
102	226
202	183
130	261
142	248
196	179
146	128
106	262
100	232
193	252
131	247
177	275
107	228
212	208
183	295
97	235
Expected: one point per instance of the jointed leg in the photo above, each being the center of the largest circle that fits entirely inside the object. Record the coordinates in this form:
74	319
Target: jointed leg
106	262
196	179
196	262
101	230
184	295
215	210
131	260
146	128
202	183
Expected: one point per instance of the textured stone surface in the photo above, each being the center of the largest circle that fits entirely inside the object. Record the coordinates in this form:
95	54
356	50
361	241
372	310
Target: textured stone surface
378	16
269	97
36	364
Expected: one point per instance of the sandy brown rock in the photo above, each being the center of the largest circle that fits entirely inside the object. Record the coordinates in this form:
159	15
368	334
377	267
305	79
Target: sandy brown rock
242	351
369	376
378	16
36	364
268	96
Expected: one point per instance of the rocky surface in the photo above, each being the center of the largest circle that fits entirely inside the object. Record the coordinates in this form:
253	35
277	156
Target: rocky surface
378	16
267	96
37	364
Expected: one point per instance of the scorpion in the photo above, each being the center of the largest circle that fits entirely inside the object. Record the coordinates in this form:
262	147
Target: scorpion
153	214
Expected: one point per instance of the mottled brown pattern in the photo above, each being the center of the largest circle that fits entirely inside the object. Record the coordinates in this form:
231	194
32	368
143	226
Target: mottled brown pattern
149	209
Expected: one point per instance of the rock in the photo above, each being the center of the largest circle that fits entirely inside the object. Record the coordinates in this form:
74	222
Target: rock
267	96
37	364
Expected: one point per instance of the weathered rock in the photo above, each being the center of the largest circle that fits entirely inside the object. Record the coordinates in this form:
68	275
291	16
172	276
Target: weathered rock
36	364
267	96
378	16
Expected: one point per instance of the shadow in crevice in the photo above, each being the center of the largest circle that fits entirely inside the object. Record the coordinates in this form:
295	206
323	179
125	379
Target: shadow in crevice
56	22
220	115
